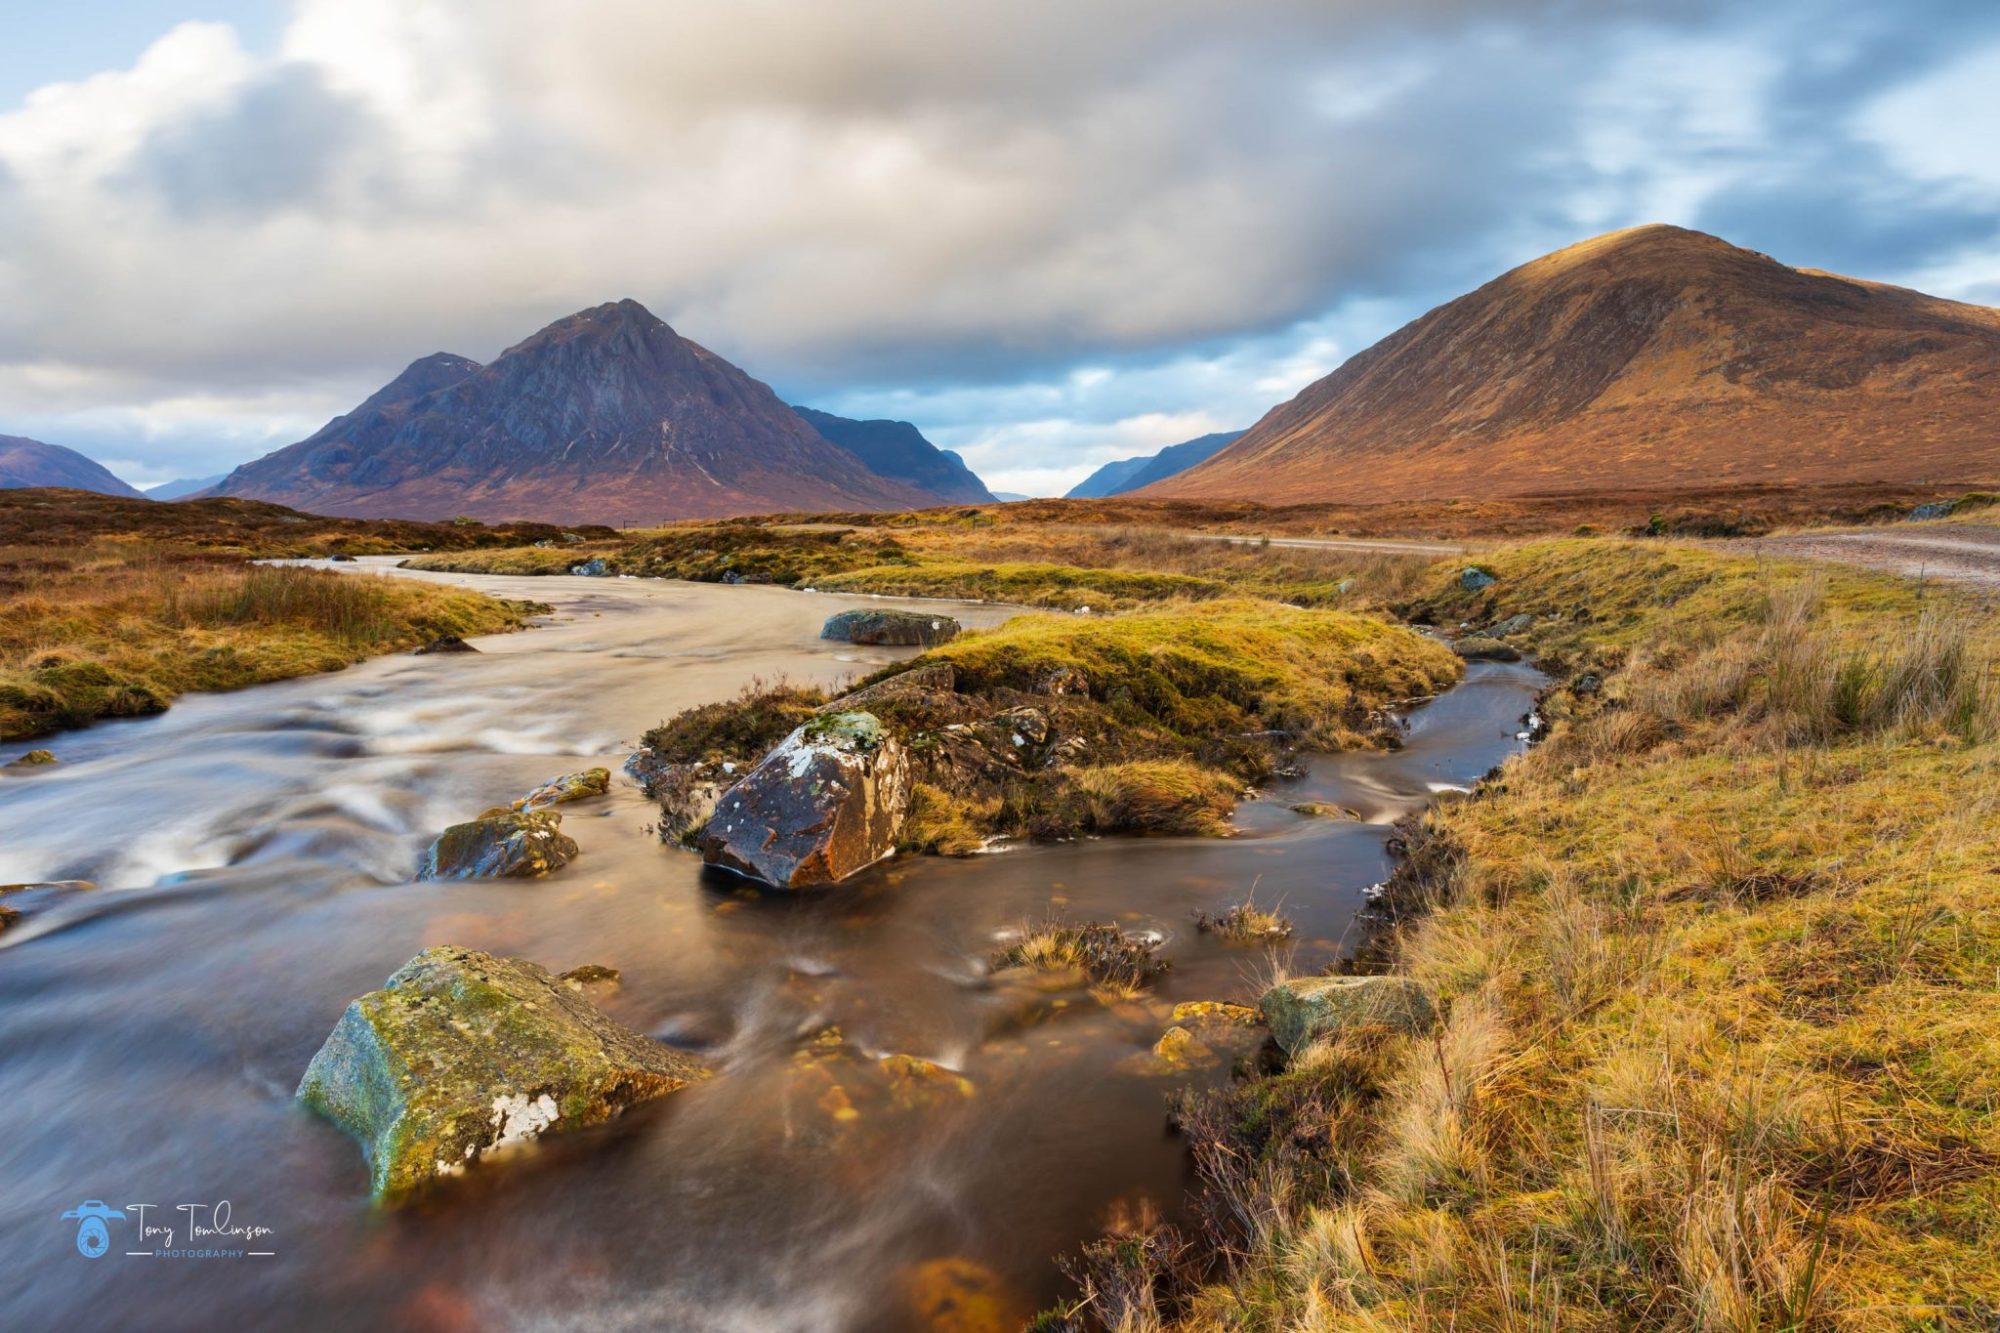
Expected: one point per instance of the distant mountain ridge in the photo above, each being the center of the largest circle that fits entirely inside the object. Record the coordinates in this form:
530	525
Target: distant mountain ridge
25	462
182	487
1129	474
606	416
1655	358
898	450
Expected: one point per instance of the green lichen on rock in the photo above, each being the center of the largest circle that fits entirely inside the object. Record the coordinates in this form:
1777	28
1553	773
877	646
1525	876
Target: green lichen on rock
500	844
462	1054
1308	1007
569	787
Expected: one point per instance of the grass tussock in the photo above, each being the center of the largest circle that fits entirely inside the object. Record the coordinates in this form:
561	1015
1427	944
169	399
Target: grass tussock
736	730
1245	923
1211	669
1110	958
1718	961
118	629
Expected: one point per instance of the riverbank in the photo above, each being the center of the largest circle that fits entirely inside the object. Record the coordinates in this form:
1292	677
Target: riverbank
266	882
113	607
1717	962
120	629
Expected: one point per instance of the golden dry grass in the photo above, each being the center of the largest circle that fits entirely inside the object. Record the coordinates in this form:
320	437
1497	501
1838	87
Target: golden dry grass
1720	962
119	628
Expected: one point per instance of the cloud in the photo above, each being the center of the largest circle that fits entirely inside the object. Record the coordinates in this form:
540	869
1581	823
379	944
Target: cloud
950	206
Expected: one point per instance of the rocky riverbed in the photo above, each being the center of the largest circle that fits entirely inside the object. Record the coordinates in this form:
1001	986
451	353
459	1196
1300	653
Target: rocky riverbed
887	1131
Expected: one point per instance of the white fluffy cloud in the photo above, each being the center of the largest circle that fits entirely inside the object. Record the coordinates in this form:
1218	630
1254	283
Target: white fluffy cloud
949	207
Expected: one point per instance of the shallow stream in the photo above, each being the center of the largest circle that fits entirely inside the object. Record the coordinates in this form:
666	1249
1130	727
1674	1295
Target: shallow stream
253	852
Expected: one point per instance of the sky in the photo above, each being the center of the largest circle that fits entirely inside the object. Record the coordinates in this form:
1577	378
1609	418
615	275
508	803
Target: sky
1051	233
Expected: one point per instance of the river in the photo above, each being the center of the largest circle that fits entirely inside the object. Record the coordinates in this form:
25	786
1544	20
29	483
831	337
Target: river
253	852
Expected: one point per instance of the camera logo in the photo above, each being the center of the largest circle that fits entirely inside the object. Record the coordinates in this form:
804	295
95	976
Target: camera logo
92	1237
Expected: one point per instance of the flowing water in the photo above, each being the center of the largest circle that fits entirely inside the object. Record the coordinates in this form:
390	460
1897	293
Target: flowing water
253	853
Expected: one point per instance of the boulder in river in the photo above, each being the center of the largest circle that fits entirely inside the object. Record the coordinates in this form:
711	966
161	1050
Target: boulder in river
462	1054
890	628
1307	1007
1479	648
445	643
824	804
35	759
569	787
500	844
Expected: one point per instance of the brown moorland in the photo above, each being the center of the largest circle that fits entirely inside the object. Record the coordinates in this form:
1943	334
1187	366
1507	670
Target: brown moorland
1655	358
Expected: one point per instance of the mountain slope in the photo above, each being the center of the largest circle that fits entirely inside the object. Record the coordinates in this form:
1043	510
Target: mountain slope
1129	474
1110	479
26	462
605	416
1655	358
898	451
185	486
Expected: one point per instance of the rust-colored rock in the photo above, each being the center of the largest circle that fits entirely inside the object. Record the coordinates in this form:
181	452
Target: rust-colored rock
824	804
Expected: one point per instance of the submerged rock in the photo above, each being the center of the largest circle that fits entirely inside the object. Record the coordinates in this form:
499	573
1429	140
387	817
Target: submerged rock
825	803
1307	1007
501	844
34	759
569	787
1478	648
445	643
890	628
462	1054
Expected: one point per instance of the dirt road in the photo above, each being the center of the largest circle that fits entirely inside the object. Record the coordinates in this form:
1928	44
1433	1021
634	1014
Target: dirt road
1963	552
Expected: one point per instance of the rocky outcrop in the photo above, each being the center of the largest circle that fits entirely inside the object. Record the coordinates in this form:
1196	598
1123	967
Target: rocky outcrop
500	844
1472	578
824	804
1300	1010
917	682
569	787
462	1055
890	628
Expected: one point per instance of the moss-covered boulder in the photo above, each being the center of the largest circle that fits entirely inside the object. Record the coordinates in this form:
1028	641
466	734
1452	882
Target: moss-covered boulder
569	787
1300	1010
462	1055
824	804
500	844
890	628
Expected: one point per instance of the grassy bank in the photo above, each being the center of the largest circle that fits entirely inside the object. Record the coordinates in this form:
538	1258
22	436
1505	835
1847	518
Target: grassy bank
1051	726
119	628
983	555
1719	966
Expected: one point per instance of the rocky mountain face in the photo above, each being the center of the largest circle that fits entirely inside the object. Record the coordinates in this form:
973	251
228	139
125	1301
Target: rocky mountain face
25	462
1129	474
897	450
1655	358
607	416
